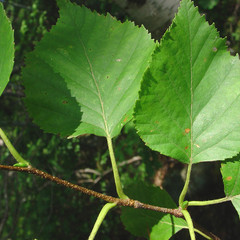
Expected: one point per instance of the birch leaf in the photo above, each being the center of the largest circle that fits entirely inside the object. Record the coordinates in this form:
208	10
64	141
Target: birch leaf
99	60
189	100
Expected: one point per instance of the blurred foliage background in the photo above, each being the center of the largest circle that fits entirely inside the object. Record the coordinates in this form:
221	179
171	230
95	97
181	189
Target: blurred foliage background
32	208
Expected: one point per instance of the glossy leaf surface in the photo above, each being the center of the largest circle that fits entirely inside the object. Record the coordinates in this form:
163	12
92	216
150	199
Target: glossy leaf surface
149	224
189	100
98	63
6	49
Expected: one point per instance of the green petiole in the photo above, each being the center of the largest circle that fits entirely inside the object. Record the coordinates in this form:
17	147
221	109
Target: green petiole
190	224
115	170
21	162
185	188
106	208
209	202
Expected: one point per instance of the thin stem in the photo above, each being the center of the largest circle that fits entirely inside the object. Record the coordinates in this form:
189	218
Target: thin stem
185	188
190	224
199	231
106	208
12	150
203	234
115	170
120	202
209	202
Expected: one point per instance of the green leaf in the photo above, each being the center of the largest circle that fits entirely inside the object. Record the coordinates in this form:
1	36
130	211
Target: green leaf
230	170
149	224
189	100
50	102
99	59
7	49
167	227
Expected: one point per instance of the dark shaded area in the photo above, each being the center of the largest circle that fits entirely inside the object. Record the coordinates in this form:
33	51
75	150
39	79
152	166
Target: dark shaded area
33	208
138	2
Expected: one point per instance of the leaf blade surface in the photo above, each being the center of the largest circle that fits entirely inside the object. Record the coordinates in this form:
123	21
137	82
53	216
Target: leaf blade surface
7	49
230	170
149	224
102	62
190	95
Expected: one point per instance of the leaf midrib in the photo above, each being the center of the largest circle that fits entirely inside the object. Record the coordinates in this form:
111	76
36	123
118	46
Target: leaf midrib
97	87
191	90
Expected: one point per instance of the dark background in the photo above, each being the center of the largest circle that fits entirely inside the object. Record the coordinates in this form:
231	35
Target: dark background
34	208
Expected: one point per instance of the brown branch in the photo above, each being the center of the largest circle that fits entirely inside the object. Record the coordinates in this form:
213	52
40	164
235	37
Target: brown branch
120	202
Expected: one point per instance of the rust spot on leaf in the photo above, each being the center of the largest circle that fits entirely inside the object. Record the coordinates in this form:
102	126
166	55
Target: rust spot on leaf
118	60
229	178
157	122
64	102
187	130
125	119
186	147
